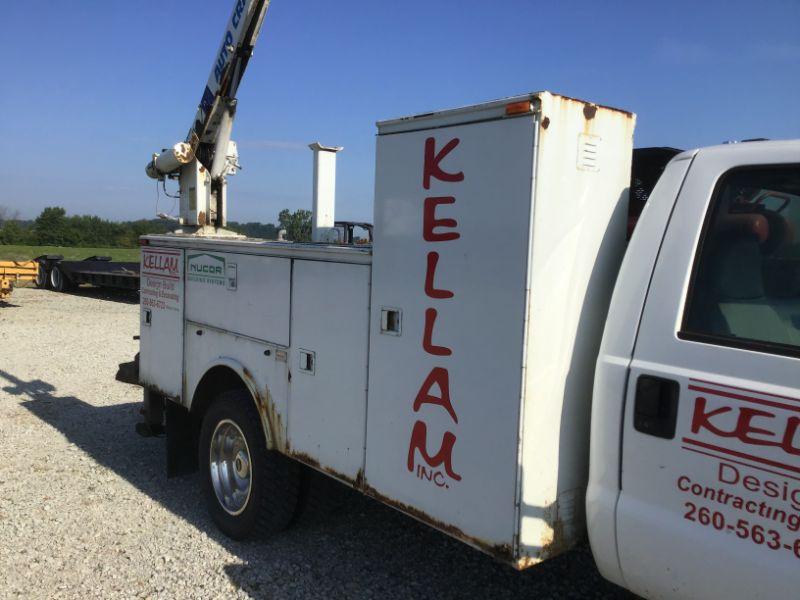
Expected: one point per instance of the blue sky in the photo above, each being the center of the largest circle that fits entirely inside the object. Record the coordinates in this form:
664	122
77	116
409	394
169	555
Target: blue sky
91	88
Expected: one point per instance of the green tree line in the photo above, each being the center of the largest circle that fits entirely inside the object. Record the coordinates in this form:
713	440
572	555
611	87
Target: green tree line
53	227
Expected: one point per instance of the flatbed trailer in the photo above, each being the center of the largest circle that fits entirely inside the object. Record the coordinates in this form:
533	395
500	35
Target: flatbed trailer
61	275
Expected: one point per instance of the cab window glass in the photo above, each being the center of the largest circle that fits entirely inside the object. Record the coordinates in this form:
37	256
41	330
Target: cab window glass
746	286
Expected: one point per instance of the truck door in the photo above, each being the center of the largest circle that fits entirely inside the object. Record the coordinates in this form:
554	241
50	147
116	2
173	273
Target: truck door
710	499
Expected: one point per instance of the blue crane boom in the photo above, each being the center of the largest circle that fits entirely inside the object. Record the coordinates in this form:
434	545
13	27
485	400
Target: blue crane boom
207	155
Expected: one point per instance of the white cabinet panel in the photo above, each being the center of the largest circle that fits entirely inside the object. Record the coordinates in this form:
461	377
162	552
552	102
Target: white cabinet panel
241	293
444	402
328	363
161	320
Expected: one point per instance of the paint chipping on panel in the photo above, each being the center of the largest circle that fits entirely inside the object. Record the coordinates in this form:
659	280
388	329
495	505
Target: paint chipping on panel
502	552
561	532
357	482
270	417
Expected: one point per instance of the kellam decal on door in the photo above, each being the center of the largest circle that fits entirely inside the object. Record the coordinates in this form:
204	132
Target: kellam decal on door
435	390
752	439
160	279
212	270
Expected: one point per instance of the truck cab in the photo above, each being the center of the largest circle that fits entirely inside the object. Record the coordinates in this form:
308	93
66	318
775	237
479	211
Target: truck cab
694	487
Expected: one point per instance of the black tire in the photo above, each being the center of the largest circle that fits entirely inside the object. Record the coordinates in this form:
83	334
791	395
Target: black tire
274	478
320	496
41	276
58	280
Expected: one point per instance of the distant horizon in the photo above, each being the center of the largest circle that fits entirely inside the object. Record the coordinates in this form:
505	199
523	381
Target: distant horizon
22	219
107	84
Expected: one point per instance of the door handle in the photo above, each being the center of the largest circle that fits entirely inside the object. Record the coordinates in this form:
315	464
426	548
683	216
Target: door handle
655	410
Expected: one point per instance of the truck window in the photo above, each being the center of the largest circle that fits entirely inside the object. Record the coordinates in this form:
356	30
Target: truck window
745	289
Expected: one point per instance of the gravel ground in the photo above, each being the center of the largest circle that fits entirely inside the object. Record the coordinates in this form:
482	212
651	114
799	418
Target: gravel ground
86	510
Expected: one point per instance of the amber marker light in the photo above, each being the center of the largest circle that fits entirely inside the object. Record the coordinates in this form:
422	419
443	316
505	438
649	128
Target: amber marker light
519	108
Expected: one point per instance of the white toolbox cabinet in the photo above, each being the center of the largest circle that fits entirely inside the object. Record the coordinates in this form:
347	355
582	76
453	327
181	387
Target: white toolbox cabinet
499	231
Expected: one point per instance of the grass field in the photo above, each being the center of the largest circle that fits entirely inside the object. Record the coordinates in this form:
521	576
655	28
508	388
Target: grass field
11	252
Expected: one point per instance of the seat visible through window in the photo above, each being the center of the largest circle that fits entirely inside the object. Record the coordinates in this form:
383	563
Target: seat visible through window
746	285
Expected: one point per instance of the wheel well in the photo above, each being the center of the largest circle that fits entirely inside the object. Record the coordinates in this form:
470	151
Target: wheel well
216	380
183	435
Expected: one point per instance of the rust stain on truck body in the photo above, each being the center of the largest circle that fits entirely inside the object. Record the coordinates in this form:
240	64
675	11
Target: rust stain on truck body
270	417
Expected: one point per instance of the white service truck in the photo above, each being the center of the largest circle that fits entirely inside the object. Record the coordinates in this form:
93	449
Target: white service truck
500	362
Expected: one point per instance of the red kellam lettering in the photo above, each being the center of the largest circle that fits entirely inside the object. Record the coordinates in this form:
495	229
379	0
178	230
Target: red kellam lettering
745	431
441	378
430	276
744	427
702	419
427	344
430	222
419	441
432	160
790	435
435	230
161	262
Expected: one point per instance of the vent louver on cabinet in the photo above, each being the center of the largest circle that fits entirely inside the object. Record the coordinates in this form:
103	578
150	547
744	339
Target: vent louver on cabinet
589	152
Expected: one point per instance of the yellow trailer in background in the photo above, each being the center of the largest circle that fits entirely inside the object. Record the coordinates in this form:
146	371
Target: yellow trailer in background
14	272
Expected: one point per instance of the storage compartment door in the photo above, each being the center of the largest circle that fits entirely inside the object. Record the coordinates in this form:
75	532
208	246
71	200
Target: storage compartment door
161	320
452	222
240	293
328	403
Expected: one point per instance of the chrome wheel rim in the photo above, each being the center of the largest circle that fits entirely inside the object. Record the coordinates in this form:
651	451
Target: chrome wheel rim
230	467
55	278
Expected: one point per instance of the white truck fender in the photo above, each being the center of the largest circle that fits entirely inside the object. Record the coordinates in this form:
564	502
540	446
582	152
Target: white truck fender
261	398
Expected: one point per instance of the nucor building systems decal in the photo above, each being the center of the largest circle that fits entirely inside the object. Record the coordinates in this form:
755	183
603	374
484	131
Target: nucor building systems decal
212	270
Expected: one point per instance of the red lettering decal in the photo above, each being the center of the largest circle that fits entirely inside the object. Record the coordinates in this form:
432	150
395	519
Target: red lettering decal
427	344
702	419
744	428
440	377
789	436
432	160
159	262
430	275
430	222
419	438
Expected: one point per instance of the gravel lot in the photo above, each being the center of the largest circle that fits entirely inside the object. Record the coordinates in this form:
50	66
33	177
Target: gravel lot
86	510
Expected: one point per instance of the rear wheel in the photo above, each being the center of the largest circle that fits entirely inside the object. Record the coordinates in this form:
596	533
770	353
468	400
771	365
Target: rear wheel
250	490
41	276
59	281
